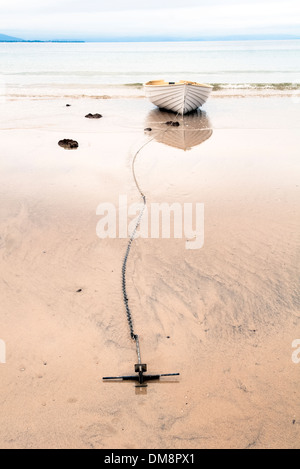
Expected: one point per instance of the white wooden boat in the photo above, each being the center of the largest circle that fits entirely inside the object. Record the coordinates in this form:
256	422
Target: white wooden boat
180	97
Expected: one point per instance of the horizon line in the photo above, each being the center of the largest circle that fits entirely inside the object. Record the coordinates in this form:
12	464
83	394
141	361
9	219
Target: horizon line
240	37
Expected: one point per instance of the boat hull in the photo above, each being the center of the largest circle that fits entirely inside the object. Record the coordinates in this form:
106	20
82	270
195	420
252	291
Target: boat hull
182	97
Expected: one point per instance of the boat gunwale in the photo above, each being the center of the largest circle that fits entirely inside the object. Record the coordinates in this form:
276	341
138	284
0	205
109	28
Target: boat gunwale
180	83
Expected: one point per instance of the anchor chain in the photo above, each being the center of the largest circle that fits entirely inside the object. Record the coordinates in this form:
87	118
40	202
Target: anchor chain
124	269
132	238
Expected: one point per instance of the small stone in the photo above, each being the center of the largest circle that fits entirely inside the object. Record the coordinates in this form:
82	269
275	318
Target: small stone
93	116
68	105
79	291
173	124
68	144
148	129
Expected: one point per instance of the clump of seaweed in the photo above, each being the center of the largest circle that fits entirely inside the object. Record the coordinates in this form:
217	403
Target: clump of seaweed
217	86
135	85
257	86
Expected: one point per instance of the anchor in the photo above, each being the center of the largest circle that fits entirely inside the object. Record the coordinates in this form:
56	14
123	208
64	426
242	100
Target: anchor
140	368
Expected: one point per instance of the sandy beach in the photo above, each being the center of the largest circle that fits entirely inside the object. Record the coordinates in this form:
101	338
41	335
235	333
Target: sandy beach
224	316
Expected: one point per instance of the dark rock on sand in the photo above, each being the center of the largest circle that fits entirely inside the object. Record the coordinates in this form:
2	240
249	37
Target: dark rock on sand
173	124
94	116
148	129
68	105
68	144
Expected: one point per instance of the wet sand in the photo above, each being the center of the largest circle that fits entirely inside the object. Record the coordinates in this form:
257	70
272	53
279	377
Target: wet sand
224	316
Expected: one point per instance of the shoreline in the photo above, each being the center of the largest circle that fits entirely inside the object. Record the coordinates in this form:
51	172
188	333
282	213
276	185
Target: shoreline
135	91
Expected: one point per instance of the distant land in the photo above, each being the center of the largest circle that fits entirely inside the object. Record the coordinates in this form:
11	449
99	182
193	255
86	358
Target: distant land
5	38
244	37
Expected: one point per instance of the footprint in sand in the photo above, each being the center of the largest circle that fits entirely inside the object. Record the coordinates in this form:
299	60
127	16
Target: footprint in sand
72	400
95	434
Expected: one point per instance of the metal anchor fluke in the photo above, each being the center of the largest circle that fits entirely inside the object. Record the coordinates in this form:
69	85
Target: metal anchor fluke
140	368
140	376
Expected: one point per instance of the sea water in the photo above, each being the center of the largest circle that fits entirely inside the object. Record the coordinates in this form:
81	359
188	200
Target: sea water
54	69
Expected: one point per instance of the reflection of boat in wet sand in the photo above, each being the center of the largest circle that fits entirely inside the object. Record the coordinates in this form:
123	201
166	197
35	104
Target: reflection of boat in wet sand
181	97
194	128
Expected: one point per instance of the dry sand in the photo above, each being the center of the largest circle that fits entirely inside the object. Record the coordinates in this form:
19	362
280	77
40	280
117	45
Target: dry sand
224	316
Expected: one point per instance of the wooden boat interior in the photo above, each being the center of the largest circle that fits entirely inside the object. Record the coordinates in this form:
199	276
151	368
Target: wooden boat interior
181	82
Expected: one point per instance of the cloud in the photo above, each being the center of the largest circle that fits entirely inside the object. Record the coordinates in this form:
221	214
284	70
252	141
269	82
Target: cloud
59	6
92	19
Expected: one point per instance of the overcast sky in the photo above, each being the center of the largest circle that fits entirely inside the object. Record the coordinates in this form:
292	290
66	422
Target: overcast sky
162	19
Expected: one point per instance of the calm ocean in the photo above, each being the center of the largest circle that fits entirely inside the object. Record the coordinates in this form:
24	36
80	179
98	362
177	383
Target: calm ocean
73	69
